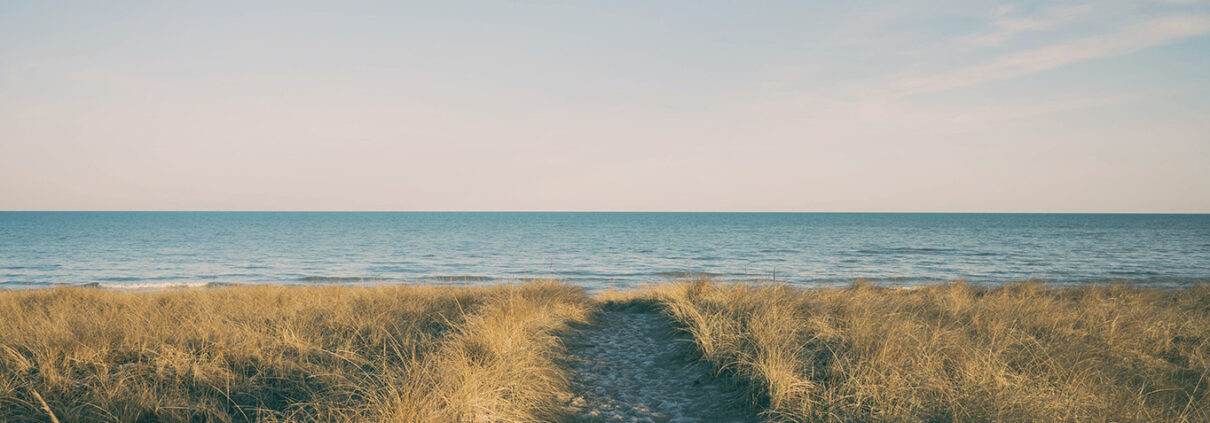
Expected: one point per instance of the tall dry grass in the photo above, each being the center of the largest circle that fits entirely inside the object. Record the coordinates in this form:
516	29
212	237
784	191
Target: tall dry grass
272	353
1023	352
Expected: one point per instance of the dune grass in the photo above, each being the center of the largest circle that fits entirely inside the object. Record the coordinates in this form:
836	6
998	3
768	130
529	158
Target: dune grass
955	352
272	353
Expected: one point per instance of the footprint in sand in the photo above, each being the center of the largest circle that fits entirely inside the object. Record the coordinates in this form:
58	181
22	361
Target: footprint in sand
631	366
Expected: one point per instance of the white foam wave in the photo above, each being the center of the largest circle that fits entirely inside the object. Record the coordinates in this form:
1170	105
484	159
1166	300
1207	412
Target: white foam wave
152	285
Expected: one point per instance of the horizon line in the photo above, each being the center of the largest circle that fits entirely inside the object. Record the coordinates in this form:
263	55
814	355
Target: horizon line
604	211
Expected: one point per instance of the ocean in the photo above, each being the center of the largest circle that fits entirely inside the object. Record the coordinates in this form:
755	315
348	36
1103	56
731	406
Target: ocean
595	250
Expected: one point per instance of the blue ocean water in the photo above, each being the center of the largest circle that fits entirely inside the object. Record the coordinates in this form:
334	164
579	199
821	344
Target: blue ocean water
596	250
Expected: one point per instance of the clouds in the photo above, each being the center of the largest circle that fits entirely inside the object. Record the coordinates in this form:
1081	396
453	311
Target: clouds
600	106
1132	38
1010	22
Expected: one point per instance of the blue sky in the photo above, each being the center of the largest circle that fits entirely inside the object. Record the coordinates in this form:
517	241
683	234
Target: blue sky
708	106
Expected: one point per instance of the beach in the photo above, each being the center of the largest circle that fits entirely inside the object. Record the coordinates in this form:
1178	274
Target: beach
604	212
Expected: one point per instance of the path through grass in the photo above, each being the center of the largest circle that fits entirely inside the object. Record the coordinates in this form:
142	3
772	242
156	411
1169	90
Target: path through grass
631	365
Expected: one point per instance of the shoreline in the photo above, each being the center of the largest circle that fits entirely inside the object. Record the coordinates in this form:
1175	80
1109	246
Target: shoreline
592	287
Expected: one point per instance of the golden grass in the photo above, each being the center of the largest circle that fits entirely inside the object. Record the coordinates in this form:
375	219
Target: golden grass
1023	352
272	353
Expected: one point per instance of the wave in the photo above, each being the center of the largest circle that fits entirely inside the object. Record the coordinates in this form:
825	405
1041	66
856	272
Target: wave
340	279
25	285
120	279
577	274
32	267
147	285
376	279
460	278
1143	273
689	274
389	268
905	250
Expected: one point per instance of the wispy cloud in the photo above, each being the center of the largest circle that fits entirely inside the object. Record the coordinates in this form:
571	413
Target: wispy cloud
1010	22
1132	38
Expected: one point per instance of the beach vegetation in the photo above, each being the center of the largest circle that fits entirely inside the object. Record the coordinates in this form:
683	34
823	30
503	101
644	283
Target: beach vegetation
281	353
956	352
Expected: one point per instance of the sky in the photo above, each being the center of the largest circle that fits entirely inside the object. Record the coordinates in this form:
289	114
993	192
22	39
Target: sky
963	106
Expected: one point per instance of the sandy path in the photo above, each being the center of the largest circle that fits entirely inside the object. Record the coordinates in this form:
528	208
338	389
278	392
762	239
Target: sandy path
632	367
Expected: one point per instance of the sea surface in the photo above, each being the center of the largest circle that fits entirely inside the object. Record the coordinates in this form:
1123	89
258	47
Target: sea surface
595	250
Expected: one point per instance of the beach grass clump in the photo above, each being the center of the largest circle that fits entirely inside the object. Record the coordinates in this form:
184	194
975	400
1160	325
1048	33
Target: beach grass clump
275	353
956	352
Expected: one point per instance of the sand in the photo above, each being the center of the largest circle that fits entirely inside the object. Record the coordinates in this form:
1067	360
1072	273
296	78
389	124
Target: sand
633	366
